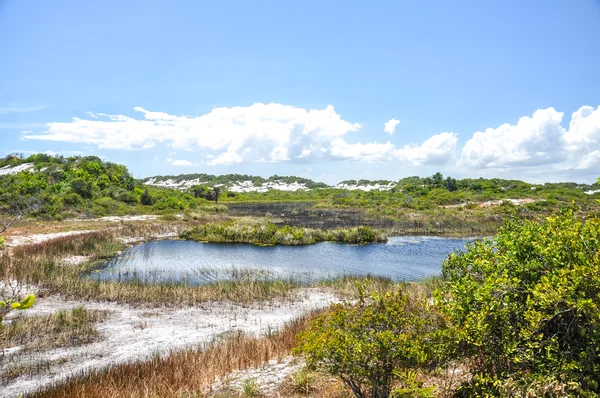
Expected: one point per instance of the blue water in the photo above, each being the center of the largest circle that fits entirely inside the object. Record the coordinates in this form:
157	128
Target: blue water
402	258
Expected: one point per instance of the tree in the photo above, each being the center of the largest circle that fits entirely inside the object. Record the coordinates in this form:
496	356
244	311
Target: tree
438	179
527	303
365	343
451	184
146	199
216	192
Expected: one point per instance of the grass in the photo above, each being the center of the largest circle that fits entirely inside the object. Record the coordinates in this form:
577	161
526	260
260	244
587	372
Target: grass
61	329
266	233
187	373
250	388
29	369
351	286
40	264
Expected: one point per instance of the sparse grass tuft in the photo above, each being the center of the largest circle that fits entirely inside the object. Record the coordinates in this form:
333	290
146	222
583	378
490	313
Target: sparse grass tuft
250	388
61	329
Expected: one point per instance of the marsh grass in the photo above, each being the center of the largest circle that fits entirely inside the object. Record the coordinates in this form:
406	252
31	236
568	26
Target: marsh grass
350	287
261	232
61	329
188	373
41	264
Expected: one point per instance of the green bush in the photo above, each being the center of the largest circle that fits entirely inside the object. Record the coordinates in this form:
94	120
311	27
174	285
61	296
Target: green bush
366	343
527	304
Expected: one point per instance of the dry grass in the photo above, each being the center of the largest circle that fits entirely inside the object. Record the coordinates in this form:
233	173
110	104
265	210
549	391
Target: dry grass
40	264
188	373
61	329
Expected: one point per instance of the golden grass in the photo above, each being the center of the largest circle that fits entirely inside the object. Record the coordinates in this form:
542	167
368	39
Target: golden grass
188	373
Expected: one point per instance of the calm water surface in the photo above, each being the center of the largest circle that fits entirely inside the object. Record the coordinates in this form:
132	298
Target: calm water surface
402	258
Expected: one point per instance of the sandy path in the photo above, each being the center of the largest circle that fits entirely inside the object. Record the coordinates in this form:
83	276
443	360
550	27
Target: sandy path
133	334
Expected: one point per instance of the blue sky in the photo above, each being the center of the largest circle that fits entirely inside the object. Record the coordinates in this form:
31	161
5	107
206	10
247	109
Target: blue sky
508	89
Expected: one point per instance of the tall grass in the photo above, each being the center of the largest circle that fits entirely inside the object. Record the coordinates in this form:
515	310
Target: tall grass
41	264
188	373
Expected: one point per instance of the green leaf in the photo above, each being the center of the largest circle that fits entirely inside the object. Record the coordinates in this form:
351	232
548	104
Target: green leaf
24	304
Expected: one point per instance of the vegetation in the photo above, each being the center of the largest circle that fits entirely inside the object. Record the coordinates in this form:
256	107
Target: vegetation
42	265
186	373
11	304
365	343
228	179
59	187
61	329
520	313
266	233
526	306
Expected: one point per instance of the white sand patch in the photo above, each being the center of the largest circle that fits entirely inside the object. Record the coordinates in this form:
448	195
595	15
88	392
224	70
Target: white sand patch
129	240
133	334
18	240
143	217
268	377
366	187
16	169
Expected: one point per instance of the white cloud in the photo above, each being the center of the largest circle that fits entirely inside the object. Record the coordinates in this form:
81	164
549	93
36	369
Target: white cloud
538	140
181	162
437	150
390	126
10	109
256	133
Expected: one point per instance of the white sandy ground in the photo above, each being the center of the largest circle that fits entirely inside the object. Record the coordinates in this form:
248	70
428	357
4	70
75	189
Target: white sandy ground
268	378
18	240
133	334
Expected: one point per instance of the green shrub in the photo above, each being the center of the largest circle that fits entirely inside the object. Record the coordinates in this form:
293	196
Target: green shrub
528	302
365	343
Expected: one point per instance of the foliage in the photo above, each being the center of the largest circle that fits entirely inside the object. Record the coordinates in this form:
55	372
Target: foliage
266	233
8	305
365	343
62	187
528	303
411	386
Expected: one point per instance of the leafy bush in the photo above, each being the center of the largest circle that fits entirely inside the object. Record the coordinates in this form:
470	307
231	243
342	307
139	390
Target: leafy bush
527	304
365	343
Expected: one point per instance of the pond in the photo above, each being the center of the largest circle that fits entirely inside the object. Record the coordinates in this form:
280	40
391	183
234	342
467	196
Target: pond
401	258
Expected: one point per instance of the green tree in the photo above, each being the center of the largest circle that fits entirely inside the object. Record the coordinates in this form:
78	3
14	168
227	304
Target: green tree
365	343
451	184
527	303
146	199
82	188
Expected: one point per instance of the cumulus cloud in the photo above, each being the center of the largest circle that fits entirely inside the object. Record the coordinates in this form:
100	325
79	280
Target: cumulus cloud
538	140
390	126
256	133
437	150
